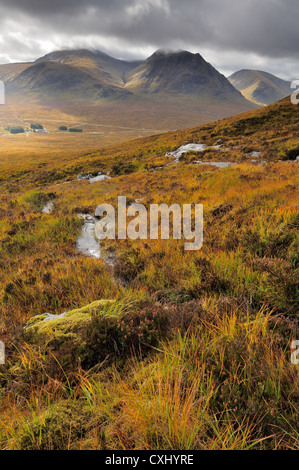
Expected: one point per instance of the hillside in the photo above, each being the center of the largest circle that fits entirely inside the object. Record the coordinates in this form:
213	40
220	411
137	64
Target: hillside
260	87
160	348
9	71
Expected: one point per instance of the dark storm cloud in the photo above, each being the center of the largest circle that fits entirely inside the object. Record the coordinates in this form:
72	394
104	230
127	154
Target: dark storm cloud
38	7
259	30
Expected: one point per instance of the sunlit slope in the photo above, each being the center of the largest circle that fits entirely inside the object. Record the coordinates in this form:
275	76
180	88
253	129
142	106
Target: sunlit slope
9	71
271	131
260	87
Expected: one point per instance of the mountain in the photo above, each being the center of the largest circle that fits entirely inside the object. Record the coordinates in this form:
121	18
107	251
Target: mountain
96	63
77	74
184	73
59	80
260	87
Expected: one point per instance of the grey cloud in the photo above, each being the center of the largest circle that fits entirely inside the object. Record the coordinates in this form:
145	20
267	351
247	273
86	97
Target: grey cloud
54	7
265	29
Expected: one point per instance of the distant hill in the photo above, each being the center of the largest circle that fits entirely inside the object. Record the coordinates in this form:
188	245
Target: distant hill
260	87
184	73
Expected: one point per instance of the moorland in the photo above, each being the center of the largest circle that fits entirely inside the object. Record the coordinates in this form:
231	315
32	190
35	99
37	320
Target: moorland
161	348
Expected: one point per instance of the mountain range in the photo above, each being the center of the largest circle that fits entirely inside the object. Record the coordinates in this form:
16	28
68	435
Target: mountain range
87	75
169	89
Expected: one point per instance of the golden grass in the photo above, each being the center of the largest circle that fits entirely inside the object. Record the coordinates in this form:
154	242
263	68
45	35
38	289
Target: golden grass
220	377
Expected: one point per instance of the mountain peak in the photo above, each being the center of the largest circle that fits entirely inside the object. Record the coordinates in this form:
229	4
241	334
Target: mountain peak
181	72
71	55
260	87
162	54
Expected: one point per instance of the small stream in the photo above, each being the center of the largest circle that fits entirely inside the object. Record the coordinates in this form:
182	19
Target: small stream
93	179
87	243
177	154
217	164
48	208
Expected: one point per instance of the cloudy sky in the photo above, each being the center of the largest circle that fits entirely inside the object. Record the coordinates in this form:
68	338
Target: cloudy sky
230	34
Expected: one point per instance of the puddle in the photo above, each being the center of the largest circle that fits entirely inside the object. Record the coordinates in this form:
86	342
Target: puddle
87	243
89	246
157	168
93	179
217	164
48	208
110	259
255	154
258	162
177	154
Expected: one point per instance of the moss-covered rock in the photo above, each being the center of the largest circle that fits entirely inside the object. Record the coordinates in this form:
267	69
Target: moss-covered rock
67	329
105	330
34	320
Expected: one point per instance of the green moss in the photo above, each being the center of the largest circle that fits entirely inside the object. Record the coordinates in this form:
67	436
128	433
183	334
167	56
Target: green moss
35	320
94	307
62	330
